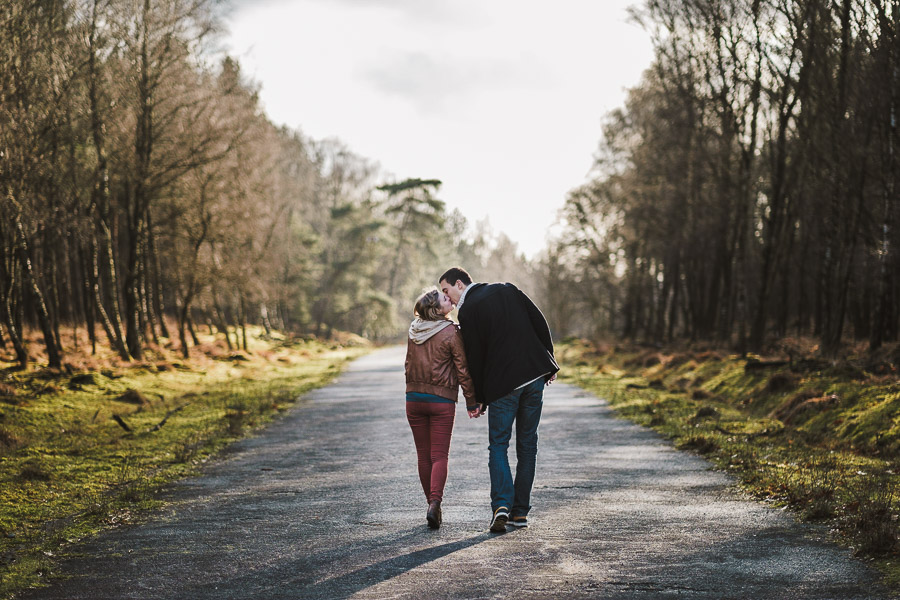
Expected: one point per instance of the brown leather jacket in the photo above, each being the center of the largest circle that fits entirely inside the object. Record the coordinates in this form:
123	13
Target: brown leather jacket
438	366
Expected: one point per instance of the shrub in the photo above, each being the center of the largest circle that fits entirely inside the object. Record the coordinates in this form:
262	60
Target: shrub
676	360
80	379
698	443
709	355
652	360
235	417
871	514
10	441
705	412
781	382
188	448
802	404
819	481
133	397
34	470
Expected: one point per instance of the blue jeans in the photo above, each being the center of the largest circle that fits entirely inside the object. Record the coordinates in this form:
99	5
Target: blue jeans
522	406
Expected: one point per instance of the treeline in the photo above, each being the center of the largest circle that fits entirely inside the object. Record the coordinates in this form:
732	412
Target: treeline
143	185
747	190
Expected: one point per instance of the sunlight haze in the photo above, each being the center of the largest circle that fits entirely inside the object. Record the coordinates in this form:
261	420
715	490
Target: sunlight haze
502	101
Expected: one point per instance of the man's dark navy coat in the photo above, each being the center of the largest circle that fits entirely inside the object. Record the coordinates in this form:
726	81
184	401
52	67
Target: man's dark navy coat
507	340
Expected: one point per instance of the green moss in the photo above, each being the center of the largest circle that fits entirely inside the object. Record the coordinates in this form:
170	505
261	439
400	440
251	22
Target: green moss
822	442
74	470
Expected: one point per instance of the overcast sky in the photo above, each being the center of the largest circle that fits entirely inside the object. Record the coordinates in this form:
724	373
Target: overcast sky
502	100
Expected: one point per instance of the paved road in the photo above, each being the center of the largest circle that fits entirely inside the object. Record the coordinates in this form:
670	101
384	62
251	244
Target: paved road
326	504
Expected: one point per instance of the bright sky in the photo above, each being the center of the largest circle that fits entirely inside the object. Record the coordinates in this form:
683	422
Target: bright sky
502	100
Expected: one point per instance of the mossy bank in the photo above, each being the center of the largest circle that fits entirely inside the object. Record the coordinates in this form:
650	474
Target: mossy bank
820	437
84	450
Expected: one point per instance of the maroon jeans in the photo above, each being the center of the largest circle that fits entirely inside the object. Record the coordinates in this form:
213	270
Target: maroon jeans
432	426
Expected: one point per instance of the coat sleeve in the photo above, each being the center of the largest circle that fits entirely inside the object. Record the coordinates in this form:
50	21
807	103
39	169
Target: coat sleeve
474	355
538	322
406	362
458	353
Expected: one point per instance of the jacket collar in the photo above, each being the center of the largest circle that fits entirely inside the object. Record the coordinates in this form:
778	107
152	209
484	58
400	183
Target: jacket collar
462	297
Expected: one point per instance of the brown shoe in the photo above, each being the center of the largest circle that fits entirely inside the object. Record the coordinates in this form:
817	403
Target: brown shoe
434	514
498	522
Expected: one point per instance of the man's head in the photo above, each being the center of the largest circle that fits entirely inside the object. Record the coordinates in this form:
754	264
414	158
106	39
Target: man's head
454	282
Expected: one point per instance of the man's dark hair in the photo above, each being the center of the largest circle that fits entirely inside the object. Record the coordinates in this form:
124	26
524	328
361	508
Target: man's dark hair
456	274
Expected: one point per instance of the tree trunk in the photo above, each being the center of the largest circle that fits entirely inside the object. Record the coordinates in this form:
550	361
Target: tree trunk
53	356
182	326
264	314
832	339
774	224
156	285
886	255
837	247
55	308
14	335
222	323
673	307
111	325
105	269
137	195
130	291
90	310
8	280
192	329
147	296
243	321
184	317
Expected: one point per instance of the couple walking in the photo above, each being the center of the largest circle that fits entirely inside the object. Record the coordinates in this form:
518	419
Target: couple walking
502	357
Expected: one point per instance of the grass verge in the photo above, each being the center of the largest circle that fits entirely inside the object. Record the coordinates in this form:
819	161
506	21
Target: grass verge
821	438
85	449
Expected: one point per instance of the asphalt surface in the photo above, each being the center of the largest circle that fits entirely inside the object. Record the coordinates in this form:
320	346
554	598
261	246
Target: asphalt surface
326	503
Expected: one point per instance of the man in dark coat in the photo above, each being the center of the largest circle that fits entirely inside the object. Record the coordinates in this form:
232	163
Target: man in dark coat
510	356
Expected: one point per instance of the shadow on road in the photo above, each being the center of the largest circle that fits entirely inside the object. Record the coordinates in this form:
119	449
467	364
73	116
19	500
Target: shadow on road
349	583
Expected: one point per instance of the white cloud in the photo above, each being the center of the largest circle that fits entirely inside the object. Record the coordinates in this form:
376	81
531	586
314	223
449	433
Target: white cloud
434	84
502	100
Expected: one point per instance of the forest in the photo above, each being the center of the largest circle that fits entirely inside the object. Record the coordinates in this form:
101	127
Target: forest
745	192
146	194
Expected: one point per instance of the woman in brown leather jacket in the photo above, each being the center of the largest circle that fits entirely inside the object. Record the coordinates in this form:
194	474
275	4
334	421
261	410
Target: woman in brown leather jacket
435	369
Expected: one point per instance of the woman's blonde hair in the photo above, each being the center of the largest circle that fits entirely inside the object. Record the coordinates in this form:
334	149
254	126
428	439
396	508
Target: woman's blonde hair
428	306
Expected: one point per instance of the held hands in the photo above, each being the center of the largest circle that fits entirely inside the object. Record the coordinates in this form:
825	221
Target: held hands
482	409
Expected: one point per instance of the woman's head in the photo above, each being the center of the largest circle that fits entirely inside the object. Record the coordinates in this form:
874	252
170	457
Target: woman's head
433	305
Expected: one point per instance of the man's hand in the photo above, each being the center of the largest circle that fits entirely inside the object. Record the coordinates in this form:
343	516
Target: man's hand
552	378
476	412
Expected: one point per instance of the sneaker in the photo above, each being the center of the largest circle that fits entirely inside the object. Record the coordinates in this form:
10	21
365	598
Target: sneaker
519	521
498	522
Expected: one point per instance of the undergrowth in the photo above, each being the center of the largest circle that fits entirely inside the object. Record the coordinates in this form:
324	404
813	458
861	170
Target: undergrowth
820	437
87	447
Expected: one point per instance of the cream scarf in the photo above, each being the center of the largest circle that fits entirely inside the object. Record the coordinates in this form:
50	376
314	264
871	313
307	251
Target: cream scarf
421	330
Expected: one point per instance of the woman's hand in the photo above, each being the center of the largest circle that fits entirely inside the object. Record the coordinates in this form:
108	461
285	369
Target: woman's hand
476	412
